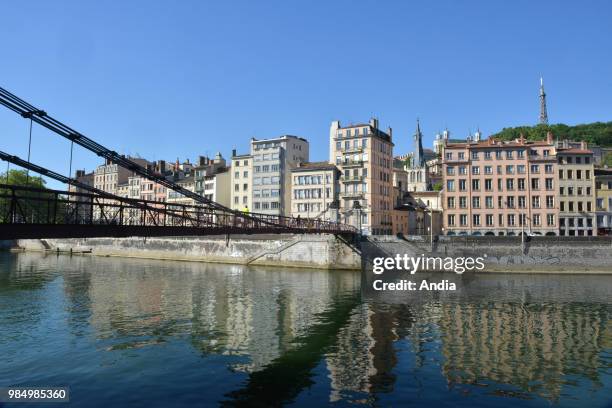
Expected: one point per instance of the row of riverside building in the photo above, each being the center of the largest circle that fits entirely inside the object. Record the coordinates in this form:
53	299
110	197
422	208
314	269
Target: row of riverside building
460	187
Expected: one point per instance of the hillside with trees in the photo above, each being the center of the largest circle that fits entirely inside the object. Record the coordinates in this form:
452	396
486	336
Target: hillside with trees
597	133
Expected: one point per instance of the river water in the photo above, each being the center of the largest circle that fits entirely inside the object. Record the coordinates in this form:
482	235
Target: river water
131	332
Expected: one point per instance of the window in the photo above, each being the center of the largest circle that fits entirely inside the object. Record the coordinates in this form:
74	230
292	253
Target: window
474	155
475	170
535	184
536	220
476	219
489	220
550	201
489	202
450	170
475	202
450	202
451	219
535	168
488	170
488	184
549	183
535	202
550	220
463	220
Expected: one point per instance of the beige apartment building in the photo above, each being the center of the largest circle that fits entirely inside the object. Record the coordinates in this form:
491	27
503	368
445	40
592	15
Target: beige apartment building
500	188
314	188
364	155
603	201
241	181
109	175
213	179
577	215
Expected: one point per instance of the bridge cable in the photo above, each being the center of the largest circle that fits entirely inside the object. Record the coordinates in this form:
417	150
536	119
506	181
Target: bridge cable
70	168
29	150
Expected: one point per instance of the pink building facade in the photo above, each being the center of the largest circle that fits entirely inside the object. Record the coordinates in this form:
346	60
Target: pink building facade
501	188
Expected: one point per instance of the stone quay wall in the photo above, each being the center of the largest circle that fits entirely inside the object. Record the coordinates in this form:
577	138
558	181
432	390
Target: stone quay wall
502	254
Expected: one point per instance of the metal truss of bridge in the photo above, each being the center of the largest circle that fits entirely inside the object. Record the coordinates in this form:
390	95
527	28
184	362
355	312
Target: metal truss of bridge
26	212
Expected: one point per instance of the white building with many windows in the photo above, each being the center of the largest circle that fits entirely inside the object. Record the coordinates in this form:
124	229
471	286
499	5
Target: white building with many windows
273	160
315	187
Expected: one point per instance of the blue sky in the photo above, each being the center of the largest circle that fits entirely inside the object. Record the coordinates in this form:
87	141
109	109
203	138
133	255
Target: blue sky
178	79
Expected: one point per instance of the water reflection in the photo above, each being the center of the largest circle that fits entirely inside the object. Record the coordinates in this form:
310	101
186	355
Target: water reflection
254	336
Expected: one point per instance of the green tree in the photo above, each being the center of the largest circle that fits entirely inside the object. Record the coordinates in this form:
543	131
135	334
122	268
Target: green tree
437	187
18	205
597	133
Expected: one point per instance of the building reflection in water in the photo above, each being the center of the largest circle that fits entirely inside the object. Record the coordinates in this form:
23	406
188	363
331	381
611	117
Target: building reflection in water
500	341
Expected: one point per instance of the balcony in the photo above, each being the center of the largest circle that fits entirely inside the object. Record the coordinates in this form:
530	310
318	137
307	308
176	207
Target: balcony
352	179
351	194
538	157
358	149
351	163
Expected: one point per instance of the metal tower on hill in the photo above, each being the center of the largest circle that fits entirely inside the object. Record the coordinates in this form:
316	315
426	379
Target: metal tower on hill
543	112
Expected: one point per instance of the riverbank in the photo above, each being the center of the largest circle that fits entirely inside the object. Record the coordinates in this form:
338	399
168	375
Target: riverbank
502	254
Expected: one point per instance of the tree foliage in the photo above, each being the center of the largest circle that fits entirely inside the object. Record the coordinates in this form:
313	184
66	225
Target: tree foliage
597	133
30	205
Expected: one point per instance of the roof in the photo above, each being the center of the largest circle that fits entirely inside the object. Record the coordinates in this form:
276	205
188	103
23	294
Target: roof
356	125
282	137
574	150
314	166
424	193
603	172
497	143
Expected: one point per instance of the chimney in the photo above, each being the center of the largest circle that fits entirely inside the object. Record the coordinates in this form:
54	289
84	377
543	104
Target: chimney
374	123
583	145
162	166
390	131
80	173
233	152
549	137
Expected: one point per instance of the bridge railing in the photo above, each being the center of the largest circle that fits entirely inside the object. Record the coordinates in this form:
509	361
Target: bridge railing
20	204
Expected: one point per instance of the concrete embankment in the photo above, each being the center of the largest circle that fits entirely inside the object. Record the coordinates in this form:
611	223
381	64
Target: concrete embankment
311	251
502	254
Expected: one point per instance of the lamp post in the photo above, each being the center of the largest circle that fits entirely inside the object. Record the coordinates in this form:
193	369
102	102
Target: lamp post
357	207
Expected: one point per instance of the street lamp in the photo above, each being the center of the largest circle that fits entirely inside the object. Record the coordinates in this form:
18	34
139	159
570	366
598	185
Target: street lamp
357	207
